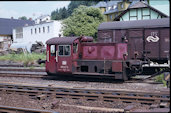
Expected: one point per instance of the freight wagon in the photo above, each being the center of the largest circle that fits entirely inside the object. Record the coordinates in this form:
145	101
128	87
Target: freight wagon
148	42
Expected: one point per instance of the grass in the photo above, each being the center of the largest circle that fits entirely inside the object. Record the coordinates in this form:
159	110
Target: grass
27	58
160	78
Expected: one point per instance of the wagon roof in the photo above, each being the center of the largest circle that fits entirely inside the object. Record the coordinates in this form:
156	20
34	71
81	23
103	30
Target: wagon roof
164	22
61	40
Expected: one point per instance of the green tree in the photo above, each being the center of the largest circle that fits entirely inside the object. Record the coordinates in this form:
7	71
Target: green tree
63	13
76	4
83	21
23	18
53	15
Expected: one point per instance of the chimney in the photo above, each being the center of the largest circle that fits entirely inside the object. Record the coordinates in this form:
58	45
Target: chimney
30	19
26	25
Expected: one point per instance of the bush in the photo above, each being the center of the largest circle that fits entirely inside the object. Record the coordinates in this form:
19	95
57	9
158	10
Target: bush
28	58
160	78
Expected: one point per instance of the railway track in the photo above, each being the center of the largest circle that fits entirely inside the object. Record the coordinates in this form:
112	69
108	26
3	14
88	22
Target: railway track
22	69
9	109
89	94
39	72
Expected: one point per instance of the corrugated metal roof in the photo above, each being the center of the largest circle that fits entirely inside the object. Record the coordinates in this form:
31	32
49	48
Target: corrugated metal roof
61	40
111	3
7	25
138	5
164	22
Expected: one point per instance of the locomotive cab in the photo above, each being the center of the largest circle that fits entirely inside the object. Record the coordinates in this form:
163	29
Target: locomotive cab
61	51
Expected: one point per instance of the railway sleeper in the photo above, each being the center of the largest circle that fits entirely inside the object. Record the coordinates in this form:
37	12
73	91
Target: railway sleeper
42	97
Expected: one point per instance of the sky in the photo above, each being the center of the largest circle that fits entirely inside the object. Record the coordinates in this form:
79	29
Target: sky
30	9
35	9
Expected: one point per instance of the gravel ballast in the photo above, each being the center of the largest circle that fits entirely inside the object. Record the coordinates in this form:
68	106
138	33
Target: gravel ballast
83	84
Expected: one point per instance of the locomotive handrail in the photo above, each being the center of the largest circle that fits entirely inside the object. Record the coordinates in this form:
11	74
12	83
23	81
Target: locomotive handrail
56	56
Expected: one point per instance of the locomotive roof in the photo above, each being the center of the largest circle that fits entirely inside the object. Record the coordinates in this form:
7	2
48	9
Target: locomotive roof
61	40
154	23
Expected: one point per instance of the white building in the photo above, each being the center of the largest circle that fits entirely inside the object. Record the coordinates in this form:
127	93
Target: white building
43	18
38	32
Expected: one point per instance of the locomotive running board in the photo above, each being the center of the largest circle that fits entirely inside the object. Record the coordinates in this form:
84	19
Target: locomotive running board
93	74
103	75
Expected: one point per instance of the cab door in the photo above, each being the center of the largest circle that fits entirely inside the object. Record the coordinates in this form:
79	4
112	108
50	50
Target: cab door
64	59
51	59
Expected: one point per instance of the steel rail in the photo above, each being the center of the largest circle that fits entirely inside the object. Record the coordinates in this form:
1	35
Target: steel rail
90	94
30	69
9	109
25	75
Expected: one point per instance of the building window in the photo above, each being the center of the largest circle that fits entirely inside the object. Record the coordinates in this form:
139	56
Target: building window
35	31
122	5
43	29
110	17
39	30
31	31
109	8
114	6
19	33
146	13
48	29
116	15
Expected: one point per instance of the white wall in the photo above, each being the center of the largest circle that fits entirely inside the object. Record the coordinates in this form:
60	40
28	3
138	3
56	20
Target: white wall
54	31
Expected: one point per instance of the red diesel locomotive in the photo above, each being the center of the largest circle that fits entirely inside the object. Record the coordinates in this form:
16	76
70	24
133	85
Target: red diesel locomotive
80	56
123	49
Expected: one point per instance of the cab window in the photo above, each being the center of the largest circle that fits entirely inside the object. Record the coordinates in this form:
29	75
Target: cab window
64	50
52	50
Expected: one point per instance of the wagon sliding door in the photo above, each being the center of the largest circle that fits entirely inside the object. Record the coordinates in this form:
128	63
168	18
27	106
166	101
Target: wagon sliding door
152	40
135	43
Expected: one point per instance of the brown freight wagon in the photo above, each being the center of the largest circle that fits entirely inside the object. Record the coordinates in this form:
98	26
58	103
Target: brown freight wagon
148	40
